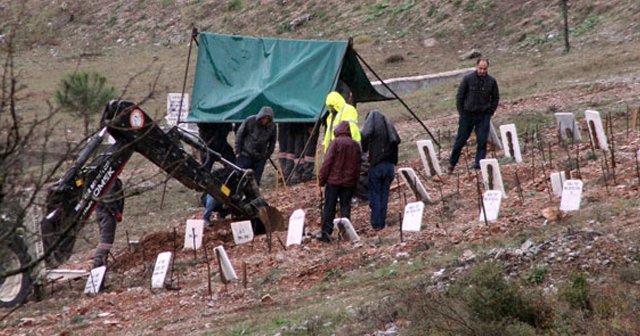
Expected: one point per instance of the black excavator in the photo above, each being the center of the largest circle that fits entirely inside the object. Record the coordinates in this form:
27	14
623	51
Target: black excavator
72	199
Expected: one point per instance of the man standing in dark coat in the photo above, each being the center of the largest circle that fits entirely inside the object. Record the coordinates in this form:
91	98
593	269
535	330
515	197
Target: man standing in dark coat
477	100
381	140
339	172
255	141
108	213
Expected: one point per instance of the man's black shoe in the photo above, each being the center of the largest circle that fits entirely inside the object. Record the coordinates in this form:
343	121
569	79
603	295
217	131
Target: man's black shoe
324	238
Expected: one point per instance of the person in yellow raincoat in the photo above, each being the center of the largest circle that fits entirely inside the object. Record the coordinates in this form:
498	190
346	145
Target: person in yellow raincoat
339	111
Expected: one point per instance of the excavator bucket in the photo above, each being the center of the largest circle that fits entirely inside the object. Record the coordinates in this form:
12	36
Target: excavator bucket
271	218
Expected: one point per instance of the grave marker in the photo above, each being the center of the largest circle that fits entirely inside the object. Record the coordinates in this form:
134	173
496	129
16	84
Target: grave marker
412	180
173	107
161	269
557	182
227	269
194	228
412	219
493	138
296	228
346	228
94	280
598	135
429	158
491	176
510	142
571	195
567	126
242	232
491	200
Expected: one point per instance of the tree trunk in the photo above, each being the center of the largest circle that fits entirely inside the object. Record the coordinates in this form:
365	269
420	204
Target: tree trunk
565	16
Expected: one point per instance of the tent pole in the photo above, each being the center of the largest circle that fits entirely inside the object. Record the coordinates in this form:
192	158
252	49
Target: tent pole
397	97
194	34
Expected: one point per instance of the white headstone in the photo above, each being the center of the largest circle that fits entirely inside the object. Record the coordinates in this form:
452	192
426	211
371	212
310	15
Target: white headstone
346	228
412	220
598	135
571	195
296	228
566	123
491	176
173	108
491	200
493	138
227	269
194	228
94	280
242	232
557	182
161	269
510	142
429	157
413	182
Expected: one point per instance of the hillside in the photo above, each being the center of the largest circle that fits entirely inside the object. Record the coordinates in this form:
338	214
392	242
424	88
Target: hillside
551	273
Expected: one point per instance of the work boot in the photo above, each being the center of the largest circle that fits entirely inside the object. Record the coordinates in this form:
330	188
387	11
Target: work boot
450	170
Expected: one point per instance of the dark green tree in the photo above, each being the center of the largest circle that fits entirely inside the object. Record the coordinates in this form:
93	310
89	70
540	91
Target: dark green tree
83	94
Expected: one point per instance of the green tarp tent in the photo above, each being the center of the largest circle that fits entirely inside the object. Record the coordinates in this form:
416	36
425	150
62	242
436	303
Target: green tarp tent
237	75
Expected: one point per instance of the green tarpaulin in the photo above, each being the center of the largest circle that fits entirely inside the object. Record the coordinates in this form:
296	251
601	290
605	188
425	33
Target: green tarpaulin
237	75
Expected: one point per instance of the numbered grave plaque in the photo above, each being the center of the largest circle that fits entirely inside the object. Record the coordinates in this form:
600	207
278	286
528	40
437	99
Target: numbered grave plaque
412	220
571	195
94	280
567	126
193	234
161	269
296	228
429	158
173	108
242	232
491	176
597	135
510	142
491	200
413	182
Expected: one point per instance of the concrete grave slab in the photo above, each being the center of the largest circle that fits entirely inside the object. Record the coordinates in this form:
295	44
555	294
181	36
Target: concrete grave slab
493	138
429	157
412	219
242	232
161	270
94	280
296	228
567	126
571	195
346	229
413	182
510	142
227	269
193	234
491	176
491	200
597	135
557	183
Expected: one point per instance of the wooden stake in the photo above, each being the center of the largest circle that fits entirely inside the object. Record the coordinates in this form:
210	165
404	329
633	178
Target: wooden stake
519	186
638	168
193	239
244	274
206	258
481	202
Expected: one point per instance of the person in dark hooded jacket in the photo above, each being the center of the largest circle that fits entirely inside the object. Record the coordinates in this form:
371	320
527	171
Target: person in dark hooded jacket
339	175
108	213
380	139
255	141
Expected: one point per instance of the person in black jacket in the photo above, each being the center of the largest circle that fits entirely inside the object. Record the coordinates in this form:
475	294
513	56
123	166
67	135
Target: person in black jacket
255	141
108	213
477	100
381	140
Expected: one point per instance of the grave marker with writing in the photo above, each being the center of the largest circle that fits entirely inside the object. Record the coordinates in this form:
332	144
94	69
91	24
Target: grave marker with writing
412	220
597	134
193	229
296	227
161	269
491	176
491	200
413	182
571	195
94	280
429	157
173	108
510	142
242	232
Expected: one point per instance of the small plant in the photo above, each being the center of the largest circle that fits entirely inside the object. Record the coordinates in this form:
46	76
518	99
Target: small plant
234	6
587	25
630	275
536	276
577	293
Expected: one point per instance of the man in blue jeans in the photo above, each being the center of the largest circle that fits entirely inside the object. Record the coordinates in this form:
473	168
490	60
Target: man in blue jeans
381	140
477	100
